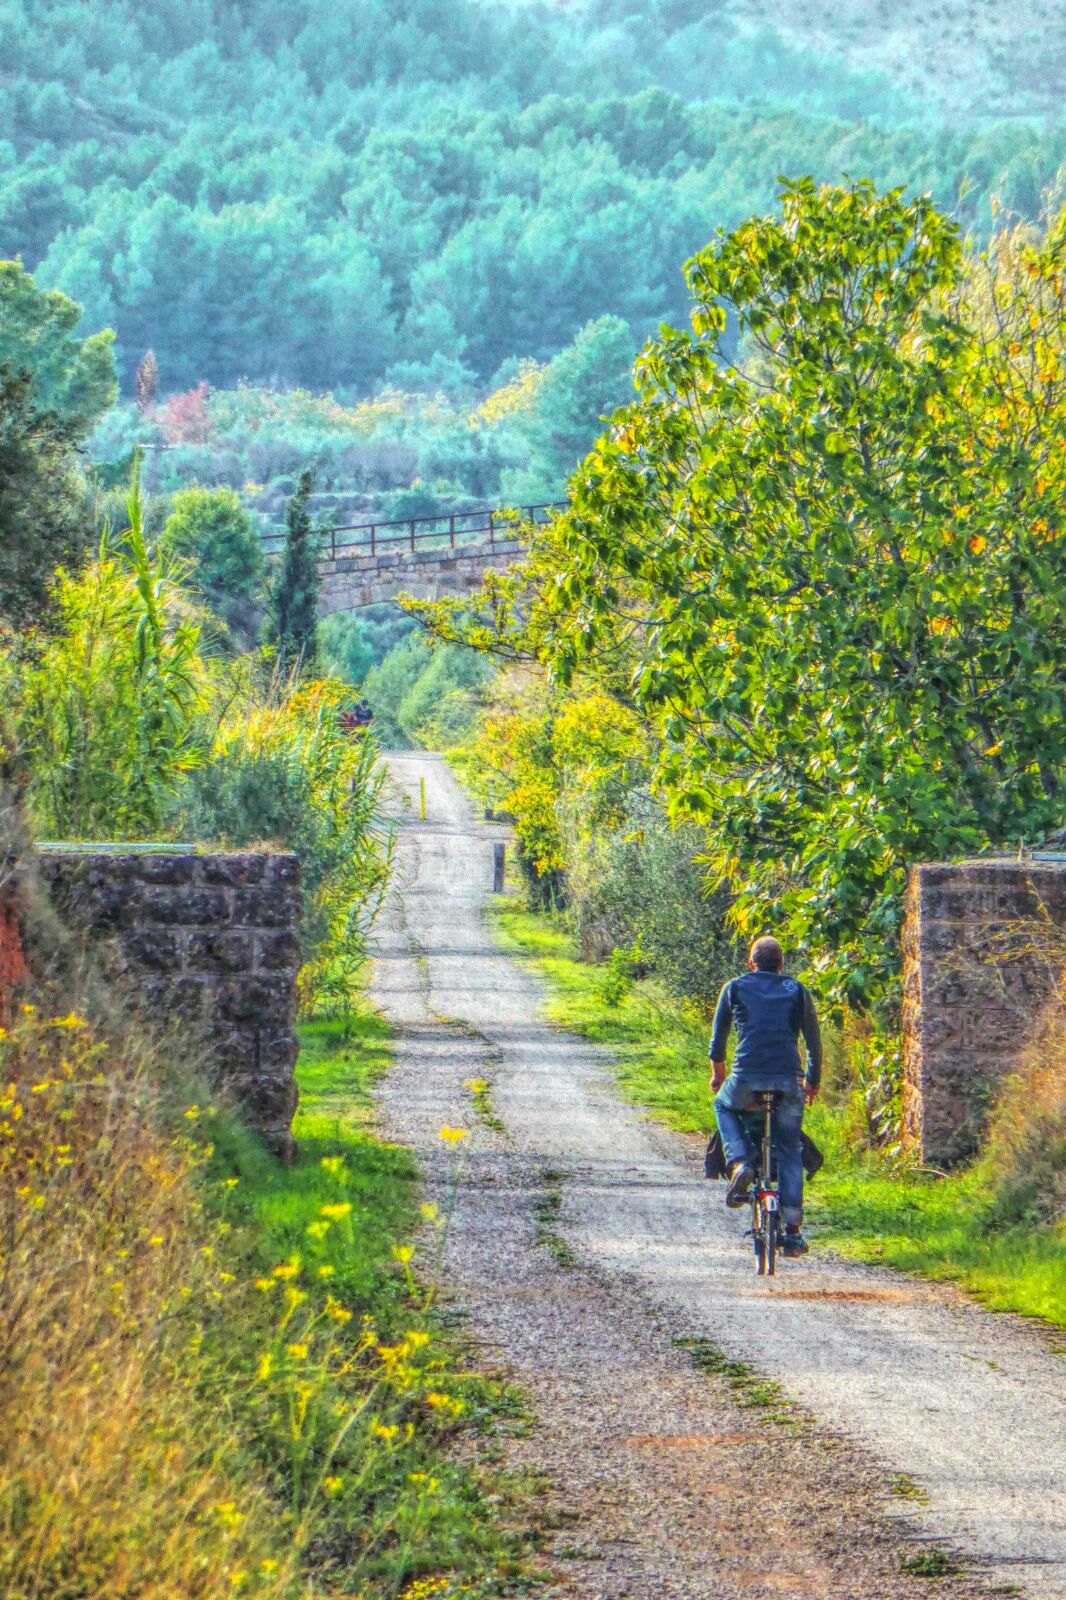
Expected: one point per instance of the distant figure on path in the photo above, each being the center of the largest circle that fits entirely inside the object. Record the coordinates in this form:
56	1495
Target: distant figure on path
769	1012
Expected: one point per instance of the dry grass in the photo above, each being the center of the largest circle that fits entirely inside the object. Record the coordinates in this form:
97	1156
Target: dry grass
115	1478
1026	1149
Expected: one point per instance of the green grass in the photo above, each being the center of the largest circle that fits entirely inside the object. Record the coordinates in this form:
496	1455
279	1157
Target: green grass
936	1228
661	1056
383	1527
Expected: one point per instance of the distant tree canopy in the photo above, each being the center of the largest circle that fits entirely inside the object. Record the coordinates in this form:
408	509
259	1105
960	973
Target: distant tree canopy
325	194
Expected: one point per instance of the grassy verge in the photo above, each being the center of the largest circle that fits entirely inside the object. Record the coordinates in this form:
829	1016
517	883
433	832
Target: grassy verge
372	1434
937	1228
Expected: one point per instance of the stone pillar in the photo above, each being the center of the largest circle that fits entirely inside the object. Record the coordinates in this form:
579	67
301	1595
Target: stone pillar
980	962
208	941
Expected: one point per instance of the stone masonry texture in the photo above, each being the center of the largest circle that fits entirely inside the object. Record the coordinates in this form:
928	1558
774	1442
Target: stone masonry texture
209	943
979	968
352	581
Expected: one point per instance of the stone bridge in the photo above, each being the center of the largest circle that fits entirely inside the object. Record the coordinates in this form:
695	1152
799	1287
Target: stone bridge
427	557
353	580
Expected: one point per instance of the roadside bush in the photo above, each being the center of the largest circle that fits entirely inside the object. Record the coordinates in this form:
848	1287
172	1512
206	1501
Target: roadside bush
218	1376
651	889
441	701
282	769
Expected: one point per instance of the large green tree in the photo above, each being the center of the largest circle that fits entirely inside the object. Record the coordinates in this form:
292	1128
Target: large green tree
582	385
210	529
70	376
833	573
54	387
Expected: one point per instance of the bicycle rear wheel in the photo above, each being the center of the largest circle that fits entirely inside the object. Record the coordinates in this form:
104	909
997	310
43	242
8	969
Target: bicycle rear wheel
758	1235
771	1243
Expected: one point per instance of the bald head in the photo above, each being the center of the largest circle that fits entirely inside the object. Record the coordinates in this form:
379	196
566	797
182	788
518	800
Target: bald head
766	955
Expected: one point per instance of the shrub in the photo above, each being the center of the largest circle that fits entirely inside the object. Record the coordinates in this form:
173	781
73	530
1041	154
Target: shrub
283	769
344	650
649	886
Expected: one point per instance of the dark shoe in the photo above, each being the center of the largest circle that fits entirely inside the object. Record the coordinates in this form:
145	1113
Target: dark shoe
740	1181
795	1244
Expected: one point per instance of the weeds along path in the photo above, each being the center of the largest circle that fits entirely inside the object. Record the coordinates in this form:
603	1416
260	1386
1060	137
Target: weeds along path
587	1253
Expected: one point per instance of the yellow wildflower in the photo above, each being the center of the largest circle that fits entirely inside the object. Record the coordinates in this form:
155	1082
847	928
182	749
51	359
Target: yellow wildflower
335	1212
452	1135
333	1485
288	1269
297	1351
386	1431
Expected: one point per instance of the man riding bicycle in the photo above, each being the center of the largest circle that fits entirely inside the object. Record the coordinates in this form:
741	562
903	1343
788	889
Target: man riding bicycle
769	1012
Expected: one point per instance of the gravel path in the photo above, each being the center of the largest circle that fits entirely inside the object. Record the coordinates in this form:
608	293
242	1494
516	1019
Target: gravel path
585	1246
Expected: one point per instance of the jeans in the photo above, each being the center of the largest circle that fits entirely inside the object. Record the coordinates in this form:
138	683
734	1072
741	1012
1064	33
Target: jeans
738	1119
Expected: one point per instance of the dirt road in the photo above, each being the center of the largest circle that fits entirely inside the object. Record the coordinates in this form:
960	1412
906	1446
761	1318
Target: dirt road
586	1246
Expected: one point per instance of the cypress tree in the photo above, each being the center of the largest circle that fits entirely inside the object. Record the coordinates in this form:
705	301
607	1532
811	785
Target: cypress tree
294	600
147	383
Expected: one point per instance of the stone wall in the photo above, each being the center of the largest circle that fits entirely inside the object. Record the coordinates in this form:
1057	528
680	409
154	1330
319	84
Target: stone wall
978	971
209	943
352	581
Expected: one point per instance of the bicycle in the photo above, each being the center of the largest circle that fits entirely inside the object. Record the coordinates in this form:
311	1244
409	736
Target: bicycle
766	1229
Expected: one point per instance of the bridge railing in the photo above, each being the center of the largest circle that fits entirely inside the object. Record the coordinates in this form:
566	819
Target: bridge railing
445	531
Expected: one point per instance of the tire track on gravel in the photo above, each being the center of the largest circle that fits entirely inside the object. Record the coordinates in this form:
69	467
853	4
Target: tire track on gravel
659	1460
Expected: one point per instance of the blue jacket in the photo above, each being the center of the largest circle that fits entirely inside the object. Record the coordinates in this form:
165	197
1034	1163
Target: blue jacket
769	1011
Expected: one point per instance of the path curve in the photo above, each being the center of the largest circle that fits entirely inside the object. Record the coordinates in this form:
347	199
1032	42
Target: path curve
968	1403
